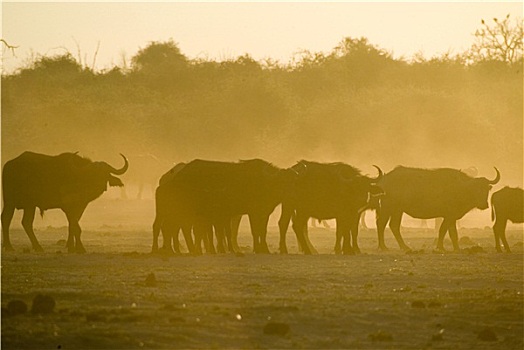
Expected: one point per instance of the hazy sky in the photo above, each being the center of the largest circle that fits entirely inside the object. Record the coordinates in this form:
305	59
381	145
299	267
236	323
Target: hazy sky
226	30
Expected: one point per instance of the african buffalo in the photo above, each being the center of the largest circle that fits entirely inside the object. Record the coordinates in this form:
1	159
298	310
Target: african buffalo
211	193
66	181
506	204
327	191
430	193
163	212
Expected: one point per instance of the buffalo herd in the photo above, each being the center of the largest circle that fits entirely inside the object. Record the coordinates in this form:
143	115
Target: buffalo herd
206	199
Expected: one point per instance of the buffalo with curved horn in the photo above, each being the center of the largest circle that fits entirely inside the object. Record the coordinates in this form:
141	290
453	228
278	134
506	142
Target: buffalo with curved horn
327	191
430	193
66	181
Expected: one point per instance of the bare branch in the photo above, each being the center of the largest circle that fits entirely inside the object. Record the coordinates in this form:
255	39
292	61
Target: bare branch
500	41
11	47
94	56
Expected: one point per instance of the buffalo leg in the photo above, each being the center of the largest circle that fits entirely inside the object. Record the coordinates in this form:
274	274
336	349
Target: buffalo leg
173	240
499	229
453	234
225	229
258	225
203	231
394	225
229	239
199	232
169	234
73	217
306	243
382	218
343	231
503	238
354	232
300	227
210	247
7	216
157	226
338	242
283	225
306	239
27	223
362	221
186	231
220	234
235	225
441	234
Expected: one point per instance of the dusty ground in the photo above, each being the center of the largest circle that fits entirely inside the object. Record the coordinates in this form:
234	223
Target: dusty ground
374	300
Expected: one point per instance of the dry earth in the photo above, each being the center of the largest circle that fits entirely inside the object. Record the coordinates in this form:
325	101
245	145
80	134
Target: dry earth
118	296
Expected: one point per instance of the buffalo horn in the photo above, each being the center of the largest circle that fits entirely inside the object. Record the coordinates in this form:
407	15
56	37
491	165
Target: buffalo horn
121	170
380	173
497	178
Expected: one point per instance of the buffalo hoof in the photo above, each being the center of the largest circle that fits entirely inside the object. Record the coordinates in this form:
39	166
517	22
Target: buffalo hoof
262	251
166	251
383	248
283	250
309	250
80	250
38	249
196	251
439	250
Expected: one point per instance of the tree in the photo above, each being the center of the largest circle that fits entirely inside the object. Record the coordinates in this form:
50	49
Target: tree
159	57
161	66
501	41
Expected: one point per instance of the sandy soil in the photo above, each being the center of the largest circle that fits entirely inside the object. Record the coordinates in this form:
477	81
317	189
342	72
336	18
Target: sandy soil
375	300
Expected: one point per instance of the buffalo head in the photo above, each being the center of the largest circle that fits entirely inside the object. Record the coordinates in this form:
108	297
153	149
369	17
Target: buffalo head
479	189
95	176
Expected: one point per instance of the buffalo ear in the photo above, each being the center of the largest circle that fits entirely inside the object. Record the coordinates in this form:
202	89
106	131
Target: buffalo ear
376	191
115	181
